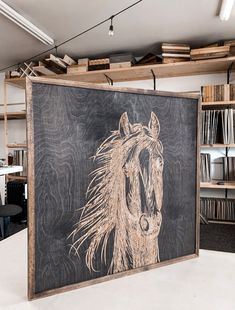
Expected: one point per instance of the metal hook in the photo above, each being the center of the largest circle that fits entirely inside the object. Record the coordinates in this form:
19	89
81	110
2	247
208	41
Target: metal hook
109	80
154	79
229	71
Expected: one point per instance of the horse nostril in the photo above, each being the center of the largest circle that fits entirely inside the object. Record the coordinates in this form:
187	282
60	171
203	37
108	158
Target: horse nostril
144	224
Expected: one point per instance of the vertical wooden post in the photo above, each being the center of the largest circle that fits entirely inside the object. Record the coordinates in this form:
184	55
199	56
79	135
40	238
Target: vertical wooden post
5	120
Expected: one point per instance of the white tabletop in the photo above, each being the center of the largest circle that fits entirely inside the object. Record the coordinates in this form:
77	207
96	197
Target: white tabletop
10	169
206	283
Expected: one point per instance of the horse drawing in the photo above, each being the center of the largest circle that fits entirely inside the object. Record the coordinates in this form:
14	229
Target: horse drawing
124	199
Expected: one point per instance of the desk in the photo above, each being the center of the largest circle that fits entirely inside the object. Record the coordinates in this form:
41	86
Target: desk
7	170
206	283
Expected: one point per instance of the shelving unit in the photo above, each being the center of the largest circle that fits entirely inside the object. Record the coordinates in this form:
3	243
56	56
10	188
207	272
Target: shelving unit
7	116
155	71
136	73
225	185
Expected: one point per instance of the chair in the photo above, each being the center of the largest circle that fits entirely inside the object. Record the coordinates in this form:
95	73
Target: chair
6	211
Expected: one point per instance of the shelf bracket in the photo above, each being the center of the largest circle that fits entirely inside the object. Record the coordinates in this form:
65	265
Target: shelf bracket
154	79
229	71
109	80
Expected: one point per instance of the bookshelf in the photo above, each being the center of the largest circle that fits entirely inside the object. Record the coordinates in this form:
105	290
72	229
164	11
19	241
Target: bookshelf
218	123
13	111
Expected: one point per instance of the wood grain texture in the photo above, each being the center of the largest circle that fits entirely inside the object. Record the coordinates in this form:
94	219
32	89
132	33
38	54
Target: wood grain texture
51	81
31	188
67	124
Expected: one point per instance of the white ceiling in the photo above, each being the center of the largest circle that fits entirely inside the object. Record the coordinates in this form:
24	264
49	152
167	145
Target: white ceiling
138	29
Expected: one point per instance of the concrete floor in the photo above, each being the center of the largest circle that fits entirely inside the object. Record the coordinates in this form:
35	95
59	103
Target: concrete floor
206	282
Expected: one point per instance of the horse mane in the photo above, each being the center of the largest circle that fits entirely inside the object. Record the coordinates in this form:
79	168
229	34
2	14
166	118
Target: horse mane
98	217
105	209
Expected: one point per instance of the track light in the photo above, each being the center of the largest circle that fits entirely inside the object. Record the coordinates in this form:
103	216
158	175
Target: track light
18	19
111	31
226	9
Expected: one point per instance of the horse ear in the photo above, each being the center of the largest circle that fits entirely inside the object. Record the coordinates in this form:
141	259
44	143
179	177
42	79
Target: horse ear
154	125
124	125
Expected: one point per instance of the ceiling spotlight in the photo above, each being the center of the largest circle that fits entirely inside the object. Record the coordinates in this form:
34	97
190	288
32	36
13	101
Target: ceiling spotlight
18	19
111	31
226	9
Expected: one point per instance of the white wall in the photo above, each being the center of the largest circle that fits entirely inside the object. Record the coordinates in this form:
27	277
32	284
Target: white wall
193	83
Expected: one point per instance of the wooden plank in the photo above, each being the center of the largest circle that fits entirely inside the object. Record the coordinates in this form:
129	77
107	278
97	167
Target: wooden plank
17	82
13	115
50	81
218	103
31	186
144	72
17	177
221	222
17	146
198	160
217	145
226	185
111	277
43	70
5	121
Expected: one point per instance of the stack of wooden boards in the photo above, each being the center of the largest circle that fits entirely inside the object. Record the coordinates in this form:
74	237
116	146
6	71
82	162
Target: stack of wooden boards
115	61
54	65
214	93
210	52
172	52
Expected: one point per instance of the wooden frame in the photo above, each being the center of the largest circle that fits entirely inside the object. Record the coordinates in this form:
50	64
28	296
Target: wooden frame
31	186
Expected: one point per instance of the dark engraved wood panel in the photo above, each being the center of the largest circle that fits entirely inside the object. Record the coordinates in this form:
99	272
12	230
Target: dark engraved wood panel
70	123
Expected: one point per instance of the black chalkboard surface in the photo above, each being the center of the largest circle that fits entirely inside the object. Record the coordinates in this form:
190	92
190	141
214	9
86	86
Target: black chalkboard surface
113	182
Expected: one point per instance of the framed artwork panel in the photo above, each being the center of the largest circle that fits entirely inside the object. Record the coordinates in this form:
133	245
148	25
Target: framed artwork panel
112	182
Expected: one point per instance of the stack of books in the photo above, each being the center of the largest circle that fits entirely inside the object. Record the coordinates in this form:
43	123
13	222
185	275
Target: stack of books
209	126
205	165
210	52
228	168
218	208
218	126
123	60
175	52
